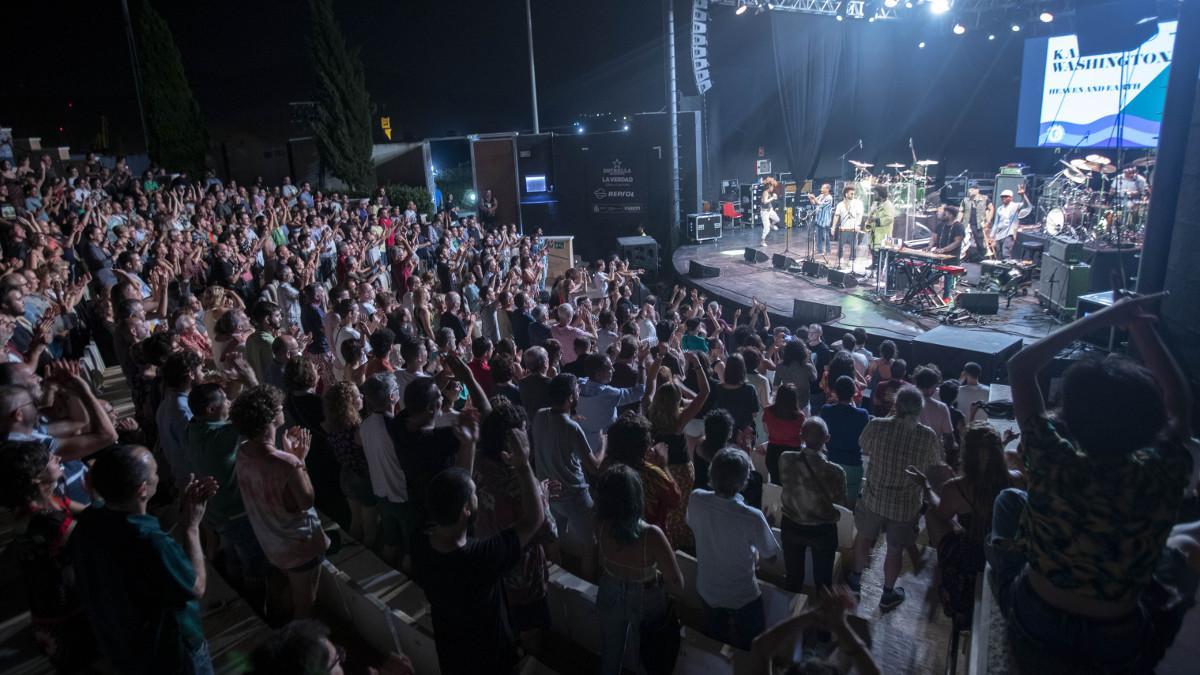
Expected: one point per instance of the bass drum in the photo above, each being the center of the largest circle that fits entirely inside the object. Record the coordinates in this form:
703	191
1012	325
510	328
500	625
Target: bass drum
1065	218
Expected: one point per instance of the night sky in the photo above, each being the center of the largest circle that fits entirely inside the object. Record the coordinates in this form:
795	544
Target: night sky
436	67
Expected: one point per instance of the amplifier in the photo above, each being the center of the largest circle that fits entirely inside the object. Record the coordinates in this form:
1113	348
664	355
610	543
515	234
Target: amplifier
978	303
1094	302
703	226
1065	249
1061	284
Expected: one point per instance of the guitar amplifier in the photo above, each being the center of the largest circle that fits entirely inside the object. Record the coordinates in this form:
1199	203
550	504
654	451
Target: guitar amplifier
1061	284
703	226
1065	249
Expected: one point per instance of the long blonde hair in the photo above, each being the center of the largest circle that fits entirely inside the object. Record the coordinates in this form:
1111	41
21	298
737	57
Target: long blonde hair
665	408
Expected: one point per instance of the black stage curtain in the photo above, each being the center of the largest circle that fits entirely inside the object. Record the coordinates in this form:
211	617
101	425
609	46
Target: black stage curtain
809	58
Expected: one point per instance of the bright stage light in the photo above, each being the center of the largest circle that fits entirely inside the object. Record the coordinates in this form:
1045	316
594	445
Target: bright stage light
908	5
625	127
959	29
1046	17
920	45
1016	28
840	17
741	8
939	6
579	129
991	36
890	3
470	196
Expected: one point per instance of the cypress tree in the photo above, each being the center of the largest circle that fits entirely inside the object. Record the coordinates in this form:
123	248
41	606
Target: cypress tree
174	126
343	123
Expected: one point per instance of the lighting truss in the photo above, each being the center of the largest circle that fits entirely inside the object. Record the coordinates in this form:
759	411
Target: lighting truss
854	9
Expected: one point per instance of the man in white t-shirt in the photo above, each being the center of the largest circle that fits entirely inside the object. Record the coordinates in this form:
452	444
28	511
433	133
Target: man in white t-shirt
970	392
847	223
398	520
935	414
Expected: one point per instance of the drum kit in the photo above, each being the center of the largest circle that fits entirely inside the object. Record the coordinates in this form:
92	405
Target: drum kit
1071	204
906	185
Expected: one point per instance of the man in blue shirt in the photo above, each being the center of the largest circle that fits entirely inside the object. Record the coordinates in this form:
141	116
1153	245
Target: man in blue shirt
599	401
140	588
846	422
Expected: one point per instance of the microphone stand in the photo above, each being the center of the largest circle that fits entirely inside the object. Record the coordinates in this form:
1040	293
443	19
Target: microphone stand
858	145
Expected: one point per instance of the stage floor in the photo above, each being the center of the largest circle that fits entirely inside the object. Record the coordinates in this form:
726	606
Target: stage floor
741	281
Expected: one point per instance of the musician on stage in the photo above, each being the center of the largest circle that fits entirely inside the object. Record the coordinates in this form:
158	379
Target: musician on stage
948	236
1131	185
770	193
1008	214
847	223
824	204
976	215
881	220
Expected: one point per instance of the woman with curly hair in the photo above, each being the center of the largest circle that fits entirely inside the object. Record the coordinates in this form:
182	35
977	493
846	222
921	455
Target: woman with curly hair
342	403
29	473
278	494
669	415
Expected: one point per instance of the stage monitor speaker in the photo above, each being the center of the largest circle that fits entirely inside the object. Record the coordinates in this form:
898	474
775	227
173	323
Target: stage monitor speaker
805	312
698	270
979	303
950	347
1061	284
703	226
641	252
753	255
842	279
783	262
1094	302
812	268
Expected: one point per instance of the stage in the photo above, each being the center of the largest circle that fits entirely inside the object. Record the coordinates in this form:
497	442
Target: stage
740	281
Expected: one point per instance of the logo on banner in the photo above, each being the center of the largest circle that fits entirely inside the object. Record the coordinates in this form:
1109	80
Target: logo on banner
617	190
700	69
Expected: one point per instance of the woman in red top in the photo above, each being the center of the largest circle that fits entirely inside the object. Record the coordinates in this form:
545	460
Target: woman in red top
783	421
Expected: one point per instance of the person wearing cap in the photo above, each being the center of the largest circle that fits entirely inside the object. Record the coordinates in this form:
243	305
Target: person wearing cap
976	213
1004	228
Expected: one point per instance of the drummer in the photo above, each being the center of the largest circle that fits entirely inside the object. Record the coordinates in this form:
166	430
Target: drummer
1131	185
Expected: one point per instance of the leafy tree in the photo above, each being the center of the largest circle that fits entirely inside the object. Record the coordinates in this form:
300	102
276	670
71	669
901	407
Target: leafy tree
174	126
343	123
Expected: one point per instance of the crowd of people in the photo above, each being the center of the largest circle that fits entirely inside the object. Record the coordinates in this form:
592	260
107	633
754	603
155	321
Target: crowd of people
429	385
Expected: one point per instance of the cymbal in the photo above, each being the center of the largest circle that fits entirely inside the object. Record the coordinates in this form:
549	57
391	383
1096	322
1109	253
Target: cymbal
1098	159
1082	165
1075	176
1108	168
927	162
1144	161
895	165
861	165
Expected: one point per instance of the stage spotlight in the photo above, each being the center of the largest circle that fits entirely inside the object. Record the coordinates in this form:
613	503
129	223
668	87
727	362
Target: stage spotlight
921	45
991	36
959	29
470	196
840	17
579	129
741	8
1016	28
890	3
1046	17
939	6
908	5
625	127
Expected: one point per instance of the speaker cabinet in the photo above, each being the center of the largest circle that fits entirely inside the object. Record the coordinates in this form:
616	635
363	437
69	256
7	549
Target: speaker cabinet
805	312
842	279
641	252
979	303
753	255
783	262
812	268
949	347
698	270
1061	284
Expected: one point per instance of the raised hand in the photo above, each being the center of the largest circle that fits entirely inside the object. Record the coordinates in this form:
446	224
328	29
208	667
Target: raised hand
297	441
195	498
516	453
